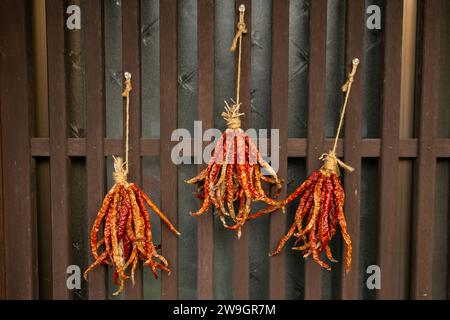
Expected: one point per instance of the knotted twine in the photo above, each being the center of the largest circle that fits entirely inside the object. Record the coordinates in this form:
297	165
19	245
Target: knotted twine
232	114
331	162
121	168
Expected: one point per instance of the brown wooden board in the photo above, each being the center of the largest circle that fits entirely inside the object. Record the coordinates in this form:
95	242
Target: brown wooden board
279	119
59	161
168	76
241	261
352	143
205	29
131	40
424	199
316	119
388	228
95	159
18	219
2	212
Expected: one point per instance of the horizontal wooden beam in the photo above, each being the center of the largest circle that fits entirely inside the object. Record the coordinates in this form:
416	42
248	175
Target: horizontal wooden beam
297	148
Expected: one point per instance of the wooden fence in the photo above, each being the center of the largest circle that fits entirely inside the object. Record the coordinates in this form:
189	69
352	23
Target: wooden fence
61	120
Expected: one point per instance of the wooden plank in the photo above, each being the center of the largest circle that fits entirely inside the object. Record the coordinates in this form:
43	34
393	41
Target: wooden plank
279	120
2	212
296	147
168	105
20	262
424	199
59	162
316	118
95	118
355	27
388	238
205	27
241	262
131	41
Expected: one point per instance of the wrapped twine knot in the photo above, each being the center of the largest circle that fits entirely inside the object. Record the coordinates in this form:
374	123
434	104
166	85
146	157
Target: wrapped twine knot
232	115
119	174
331	163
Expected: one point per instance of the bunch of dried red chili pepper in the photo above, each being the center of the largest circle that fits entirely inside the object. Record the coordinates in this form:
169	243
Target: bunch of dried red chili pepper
234	175
321	206
126	226
234	171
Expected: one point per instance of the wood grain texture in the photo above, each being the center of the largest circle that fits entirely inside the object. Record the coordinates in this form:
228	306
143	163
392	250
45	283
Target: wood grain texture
297	147
131	40
168	83
241	262
205	27
316	118
20	270
59	161
279	119
424	199
353	143
389	219
95	133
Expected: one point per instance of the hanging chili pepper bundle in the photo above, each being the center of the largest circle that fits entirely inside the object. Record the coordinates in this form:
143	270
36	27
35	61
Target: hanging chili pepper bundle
233	174
127	234
321	206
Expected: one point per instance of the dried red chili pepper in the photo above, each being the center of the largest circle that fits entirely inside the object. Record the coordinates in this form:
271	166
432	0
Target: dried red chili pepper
233	176
321	205
126	226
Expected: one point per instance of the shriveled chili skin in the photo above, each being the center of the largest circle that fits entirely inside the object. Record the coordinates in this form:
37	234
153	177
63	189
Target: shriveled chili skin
100	216
339	202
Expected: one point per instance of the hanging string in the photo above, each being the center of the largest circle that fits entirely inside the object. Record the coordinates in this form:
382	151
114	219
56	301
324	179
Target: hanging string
126	94
331	162
345	88
241	30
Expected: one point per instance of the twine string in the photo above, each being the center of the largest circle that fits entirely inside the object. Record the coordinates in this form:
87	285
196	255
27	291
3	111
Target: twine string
345	88
231	113
241	30
331	161
126	94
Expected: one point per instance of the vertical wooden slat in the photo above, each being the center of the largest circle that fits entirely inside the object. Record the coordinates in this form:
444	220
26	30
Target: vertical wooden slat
131	63
20	265
2	212
59	162
423	228
205	18
316	118
168	105
280	70
355	27
241	257
95	160
388	237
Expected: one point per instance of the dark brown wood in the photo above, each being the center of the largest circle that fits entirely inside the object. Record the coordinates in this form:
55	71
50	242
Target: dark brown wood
424	199
316	118
388	228
297	147
2	212
168	84
59	162
95	118
241	263
279	119
131	41
19	263
355	26
205	29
